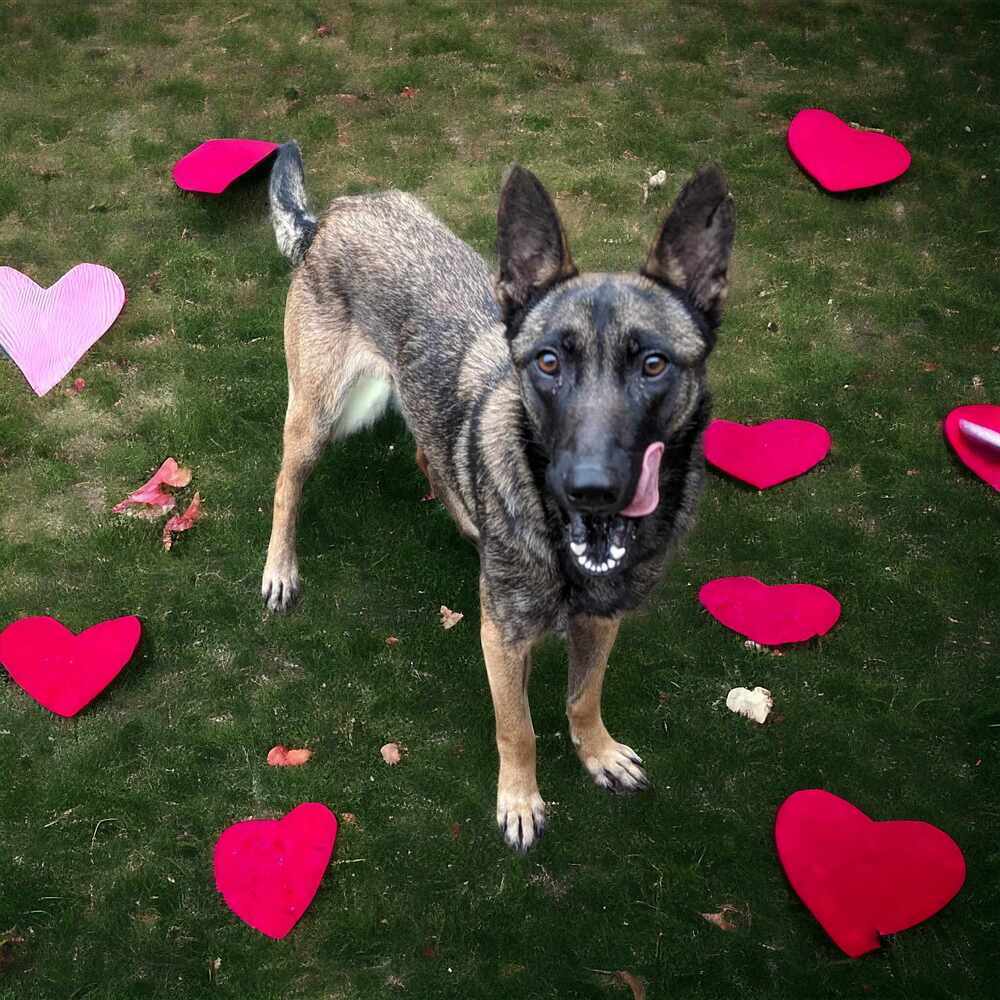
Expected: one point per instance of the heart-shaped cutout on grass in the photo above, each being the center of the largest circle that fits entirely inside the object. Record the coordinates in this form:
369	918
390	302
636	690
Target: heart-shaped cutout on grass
211	167
767	454
47	330
64	672
861	879
770	615
842	158
973	432
269	870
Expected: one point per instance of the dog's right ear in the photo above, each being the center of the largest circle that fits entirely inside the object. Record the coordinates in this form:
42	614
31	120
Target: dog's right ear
531	244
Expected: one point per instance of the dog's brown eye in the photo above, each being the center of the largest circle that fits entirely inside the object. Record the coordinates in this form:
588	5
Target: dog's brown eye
548	362
655	364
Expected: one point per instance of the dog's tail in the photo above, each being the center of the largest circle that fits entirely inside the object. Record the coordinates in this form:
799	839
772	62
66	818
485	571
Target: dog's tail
294	225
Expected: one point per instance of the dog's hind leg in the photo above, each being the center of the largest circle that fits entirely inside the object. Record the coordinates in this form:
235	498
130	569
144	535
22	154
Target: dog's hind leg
520	809
611	764
305	436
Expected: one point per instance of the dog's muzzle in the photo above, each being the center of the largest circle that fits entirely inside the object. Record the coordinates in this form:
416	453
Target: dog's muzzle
599	542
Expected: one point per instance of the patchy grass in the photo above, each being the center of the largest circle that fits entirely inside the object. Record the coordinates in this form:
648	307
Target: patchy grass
873	313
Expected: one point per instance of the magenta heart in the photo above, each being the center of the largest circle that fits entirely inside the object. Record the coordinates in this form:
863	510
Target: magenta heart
211	167
268	870
47	330
841	158
964	428
768	453
64	672
861	879
772	616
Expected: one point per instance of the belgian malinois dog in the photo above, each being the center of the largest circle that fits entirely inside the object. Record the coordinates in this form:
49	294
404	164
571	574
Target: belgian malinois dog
557	415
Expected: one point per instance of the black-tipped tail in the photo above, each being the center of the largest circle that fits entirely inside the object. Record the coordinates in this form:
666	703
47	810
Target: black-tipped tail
294	225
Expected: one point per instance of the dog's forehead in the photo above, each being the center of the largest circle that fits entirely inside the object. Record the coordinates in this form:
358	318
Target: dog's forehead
614	307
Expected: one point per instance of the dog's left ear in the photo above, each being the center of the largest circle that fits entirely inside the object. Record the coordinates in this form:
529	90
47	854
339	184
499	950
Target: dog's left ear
531	244
692	250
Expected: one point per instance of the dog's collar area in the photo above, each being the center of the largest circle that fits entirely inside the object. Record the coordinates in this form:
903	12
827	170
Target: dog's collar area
599	544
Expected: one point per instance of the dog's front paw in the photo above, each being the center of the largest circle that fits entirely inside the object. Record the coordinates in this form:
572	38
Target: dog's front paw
520	816
280	588
615	767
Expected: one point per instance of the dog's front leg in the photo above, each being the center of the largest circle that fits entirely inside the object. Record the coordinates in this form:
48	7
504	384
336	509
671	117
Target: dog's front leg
520	809
611	764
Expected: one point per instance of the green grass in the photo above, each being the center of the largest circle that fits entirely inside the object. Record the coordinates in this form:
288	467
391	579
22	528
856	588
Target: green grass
107	821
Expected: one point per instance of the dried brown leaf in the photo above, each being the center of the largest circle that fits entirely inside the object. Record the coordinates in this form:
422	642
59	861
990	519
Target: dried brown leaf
281	756
391	640
390	754
449	618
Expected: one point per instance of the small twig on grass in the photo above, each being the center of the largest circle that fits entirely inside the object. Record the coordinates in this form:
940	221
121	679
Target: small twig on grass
239	17
100	823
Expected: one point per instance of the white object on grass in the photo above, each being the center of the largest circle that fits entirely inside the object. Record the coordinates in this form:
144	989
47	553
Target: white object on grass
755	704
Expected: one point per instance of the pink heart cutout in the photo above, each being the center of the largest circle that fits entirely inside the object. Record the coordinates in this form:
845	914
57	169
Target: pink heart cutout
268	870
983	460
861	879
841	158
772	616
64	672
47	330
211	167
767	454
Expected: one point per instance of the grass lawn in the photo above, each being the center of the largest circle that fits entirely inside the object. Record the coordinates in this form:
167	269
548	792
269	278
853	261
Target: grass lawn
873	314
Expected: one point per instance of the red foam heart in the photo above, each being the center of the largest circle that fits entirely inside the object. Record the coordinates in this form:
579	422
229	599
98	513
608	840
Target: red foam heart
64	672
772	616
861	879
269	870
981	458
841	158
767	454
211	167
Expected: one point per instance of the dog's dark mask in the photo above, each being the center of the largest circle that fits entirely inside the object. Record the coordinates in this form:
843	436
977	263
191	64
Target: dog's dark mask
611	365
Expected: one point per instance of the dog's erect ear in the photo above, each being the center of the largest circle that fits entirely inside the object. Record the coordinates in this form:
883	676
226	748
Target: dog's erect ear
531	243
692	250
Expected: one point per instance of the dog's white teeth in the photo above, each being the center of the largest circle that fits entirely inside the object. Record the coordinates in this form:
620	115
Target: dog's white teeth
603	567
611	563
583	560
617	553
578	548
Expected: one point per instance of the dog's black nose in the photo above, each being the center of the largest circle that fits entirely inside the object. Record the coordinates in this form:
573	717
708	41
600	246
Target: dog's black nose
592	487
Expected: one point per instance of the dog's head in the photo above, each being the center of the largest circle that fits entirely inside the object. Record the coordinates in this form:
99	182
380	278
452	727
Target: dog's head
611	365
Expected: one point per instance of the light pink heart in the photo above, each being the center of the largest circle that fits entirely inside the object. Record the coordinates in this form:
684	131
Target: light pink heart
211	167
64	672
768	453
772	616
976	454
268	870
841	158
47	330
861	879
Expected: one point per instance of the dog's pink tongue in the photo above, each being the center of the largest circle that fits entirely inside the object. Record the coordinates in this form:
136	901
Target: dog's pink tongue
647	493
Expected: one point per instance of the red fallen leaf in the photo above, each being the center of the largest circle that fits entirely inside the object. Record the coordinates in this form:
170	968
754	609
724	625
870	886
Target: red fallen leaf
721	919
181	522
323	30
152	494
281	756
390	754
449	618
634	983
78	386
428	496
456	830
348	819
391	640
407	92
429	950
929	366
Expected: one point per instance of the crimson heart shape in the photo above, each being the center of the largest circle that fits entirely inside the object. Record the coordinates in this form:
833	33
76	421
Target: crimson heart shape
968	430
64	672
211	167
268	870
767	454
861	879
841	158
47	330
772	616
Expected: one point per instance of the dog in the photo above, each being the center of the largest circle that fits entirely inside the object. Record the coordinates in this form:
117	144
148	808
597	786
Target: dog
558	416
